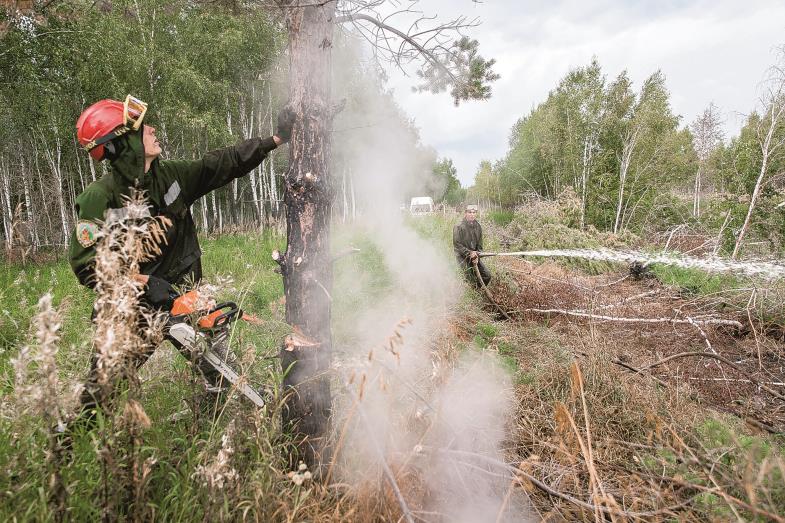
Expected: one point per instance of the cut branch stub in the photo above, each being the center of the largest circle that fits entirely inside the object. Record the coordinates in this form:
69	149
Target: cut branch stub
298	340
280	259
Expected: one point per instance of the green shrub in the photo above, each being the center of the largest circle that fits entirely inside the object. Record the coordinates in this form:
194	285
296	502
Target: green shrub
693	281
487	330
501	217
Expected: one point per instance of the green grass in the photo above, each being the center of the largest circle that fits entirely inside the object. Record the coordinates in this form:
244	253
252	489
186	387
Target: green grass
244	264
437	228
20	290
724	438
501	217
246	259
487	330
360	280
173	493
693	281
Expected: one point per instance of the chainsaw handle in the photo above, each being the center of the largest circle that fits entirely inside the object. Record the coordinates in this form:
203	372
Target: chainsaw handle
227	317
216	317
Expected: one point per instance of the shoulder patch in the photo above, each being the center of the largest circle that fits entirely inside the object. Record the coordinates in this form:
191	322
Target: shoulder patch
172	194
86	233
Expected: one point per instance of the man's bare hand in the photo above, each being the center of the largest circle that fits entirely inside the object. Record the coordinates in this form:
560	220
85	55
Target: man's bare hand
474	255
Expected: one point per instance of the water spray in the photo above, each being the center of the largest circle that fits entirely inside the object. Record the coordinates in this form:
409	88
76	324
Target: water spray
763	269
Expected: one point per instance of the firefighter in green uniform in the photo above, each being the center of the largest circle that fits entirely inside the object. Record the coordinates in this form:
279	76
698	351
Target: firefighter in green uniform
115	131
467	244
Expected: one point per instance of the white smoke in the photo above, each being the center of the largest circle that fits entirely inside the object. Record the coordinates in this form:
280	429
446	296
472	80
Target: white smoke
400	405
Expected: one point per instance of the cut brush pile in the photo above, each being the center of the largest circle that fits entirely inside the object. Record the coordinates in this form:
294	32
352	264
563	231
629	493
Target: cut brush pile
624	388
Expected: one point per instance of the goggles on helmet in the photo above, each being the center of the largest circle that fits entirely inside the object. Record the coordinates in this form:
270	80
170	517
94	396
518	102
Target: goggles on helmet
133	114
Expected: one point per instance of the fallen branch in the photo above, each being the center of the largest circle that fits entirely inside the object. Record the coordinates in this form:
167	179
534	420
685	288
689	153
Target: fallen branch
721	359
762	426
670	237
719	235
638	371
752	301
623	302
612	283
777	383
695	324
682	483
622	319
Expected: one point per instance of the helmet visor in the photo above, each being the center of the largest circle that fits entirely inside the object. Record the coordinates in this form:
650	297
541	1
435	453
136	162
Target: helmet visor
133	112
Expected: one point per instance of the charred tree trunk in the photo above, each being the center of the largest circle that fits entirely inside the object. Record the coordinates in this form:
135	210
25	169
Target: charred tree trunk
306	266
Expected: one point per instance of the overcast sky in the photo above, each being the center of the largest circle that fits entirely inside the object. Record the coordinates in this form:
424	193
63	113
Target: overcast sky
714	50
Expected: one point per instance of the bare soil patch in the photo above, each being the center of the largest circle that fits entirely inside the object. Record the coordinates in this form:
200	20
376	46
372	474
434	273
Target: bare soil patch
593	440
685	326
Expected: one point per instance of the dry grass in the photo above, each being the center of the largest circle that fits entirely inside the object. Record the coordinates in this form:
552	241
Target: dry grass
590	440
629	448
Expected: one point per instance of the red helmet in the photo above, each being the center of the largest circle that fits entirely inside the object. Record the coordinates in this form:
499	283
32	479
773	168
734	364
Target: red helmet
105	120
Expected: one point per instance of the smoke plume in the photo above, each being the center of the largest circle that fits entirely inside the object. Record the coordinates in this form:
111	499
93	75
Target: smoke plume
404	407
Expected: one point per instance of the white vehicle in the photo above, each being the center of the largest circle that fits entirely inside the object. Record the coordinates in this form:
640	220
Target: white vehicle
421	205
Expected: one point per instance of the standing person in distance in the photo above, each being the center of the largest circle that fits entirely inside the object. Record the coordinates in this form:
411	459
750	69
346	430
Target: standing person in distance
467	244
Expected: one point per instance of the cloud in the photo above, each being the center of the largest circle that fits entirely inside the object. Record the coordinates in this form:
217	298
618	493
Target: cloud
709	51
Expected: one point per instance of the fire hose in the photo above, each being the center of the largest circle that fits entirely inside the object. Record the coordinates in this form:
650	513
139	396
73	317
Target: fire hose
485	289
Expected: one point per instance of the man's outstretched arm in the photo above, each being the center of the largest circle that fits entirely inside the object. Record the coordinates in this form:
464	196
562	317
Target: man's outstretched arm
218	168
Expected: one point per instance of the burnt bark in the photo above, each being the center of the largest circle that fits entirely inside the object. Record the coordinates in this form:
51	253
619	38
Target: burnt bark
306	268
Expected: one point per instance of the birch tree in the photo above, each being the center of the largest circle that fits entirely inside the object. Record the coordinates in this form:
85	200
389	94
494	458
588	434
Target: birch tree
629	143
647	133
707	136
5	203
621	132
189	61
579	97
770	136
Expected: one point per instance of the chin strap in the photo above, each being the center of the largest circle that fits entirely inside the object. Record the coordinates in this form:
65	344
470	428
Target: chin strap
105	139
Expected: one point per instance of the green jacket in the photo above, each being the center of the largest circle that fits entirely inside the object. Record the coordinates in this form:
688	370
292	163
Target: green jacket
171	186
466	237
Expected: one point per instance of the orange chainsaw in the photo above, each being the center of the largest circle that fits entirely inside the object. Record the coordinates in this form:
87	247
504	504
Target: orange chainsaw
202	327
